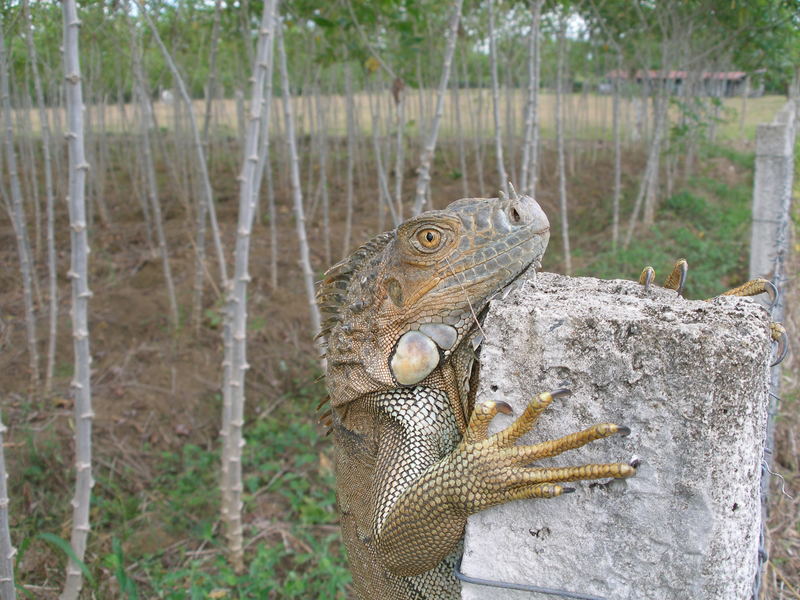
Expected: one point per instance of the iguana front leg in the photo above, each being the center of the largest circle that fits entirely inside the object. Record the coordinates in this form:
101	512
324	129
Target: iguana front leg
419	523
677	281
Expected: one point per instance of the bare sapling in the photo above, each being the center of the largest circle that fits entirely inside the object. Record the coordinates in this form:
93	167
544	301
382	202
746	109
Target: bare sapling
211	85
510	151
424	172
265	167
498	132
57	92
648	179
462	153
351	148
322	127
150	172
140	194
198	144
476	115
743	110
7	551
527	169
399	96
52	274
385	199
18	219
560	134
27	152
297	196
235	332
79	276
617	154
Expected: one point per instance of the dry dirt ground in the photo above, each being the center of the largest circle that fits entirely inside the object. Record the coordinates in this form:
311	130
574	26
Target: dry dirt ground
156	389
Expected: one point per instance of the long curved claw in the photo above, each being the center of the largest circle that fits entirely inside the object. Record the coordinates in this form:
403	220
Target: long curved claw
774	294
755	287
779	335
677	279
646	278
527	419
482	415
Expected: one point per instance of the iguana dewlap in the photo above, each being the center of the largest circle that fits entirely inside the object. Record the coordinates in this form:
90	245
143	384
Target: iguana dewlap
413	459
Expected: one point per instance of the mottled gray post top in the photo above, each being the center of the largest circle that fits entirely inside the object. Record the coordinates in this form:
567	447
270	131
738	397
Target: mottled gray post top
690	380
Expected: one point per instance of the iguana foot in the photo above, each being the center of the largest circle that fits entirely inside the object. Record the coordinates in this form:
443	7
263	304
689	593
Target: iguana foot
776	330
778	334
676	280
497	465
753	288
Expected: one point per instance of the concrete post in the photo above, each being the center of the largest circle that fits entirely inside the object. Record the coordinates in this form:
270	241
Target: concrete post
772	188
772	197
690	379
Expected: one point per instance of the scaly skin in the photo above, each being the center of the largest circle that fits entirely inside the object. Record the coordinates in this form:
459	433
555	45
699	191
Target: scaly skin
413	459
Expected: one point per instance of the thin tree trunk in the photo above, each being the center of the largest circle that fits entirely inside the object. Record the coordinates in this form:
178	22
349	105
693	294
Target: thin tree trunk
743	112
351	147
651	197
25	138
78	273
150	173
7	551
323	174
60	175
19	221
398	89
52	273
424	177
562	179
385	199
477	131
462	154
498	132
648	178
211	86
510	152
297	196
236	313
528	176
198	145
265	163
617	157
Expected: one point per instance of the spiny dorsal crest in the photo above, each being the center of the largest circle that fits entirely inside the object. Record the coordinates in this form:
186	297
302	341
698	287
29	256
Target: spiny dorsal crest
332	296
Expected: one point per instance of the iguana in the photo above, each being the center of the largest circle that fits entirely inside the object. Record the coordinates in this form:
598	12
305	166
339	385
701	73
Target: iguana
413	458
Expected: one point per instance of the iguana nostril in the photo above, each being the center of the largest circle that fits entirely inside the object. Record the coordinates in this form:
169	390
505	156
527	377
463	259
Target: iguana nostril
515	216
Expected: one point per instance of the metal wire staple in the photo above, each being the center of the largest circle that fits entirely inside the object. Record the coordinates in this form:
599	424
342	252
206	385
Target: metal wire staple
524	587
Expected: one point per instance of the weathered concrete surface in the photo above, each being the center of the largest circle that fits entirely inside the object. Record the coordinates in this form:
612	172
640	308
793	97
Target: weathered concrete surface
690	379
772	189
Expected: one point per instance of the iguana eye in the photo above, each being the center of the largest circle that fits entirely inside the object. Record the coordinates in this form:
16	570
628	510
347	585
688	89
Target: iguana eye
429	238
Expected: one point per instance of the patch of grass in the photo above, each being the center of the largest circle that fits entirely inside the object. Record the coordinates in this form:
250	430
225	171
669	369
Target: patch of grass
165	540
706	222
281	466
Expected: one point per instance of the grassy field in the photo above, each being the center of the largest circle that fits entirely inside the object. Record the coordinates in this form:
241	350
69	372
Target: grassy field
589	115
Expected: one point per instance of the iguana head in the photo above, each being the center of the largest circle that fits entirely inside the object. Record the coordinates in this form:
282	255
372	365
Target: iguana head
404	301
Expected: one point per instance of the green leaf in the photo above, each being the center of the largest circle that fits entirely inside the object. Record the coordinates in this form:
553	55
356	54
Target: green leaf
66	548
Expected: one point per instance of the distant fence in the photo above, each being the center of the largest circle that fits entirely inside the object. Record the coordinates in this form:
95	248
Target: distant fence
772	198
